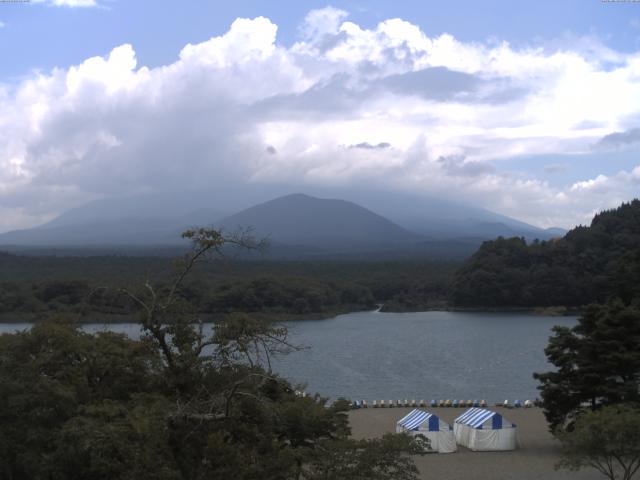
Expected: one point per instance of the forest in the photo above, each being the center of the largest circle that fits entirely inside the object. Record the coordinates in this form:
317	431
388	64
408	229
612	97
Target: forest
589	264
89	286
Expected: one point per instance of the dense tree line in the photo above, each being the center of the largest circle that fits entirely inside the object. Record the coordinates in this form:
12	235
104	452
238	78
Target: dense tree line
86	285
264	294
589	264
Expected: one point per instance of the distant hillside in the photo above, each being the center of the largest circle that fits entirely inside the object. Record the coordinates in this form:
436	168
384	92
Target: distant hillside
167	207
440	219
299	219
588	264
127	231
299	226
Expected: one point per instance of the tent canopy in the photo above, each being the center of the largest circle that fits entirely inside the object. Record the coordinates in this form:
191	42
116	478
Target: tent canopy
483	430
420	420
481	418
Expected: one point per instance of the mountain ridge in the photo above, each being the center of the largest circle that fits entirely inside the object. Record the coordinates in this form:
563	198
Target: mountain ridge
303	223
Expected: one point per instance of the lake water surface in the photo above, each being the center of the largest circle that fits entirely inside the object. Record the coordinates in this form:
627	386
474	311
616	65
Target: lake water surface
425	355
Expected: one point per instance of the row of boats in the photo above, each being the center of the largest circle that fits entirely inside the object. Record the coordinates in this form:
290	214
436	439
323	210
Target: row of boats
439	403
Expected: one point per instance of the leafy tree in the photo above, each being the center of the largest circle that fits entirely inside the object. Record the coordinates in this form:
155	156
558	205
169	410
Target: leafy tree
53	379
383	459
598	362
607	440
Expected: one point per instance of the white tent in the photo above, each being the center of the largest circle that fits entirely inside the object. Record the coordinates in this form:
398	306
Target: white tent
483	430
439	433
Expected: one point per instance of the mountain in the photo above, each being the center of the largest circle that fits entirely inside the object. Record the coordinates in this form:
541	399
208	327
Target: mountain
130	231
298	225
441	219
299	219
168	207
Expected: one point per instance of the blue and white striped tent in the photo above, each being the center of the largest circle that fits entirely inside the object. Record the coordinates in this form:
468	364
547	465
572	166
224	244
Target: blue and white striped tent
439	432
484	430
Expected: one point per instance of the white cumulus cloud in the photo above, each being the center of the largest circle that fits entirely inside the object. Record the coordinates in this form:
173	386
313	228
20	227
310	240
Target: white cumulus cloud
432	115
68	3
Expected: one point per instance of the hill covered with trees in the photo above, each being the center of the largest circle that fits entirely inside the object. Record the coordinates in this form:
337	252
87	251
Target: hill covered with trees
589	264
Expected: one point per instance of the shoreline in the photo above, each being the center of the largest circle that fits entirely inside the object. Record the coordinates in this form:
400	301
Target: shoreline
103	318
555	311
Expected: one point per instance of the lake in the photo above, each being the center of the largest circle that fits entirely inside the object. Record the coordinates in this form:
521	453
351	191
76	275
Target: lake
425	355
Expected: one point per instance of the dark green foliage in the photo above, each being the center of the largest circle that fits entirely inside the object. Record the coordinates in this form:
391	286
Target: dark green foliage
112	439
589	264
69	292
45	285
383	459
288	295
607	440
598	362
54	375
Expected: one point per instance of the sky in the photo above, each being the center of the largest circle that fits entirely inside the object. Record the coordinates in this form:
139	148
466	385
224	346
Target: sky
529	109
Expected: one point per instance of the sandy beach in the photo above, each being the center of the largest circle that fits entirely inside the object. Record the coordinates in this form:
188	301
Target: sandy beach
534	459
